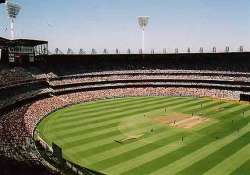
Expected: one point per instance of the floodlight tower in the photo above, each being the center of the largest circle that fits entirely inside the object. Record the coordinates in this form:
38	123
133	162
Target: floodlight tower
143	22
12	10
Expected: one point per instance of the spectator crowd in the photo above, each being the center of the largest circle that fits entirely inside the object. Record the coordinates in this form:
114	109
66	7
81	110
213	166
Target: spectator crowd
128	75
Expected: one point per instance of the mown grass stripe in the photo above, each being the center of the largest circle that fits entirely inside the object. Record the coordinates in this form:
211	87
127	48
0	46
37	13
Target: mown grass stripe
82	116
156	106
94	118
85	129
231	115
233	122
231	163
75	136
79	153
100	134
215	158
110	149
97	103
243	169
200	154
82	130
150	155
143	159
224	107
197	108
92	128
233	110
84	126
207	113
176	155
108	106
140	108
110	136
58	115
204	137
87	114
106	163
191	106
106	144
196	111
80	141
164	126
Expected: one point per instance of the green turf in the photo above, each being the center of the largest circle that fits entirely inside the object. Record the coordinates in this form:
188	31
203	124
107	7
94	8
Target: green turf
88	134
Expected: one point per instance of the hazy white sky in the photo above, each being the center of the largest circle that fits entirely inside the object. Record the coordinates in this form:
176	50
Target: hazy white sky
113	23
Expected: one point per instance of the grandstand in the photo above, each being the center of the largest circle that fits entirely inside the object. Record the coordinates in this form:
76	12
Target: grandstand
39	89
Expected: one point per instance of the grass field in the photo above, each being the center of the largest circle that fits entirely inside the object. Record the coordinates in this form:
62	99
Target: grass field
126	136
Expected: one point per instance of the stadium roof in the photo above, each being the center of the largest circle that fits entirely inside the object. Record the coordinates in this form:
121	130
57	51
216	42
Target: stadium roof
20	42
3	42
27	42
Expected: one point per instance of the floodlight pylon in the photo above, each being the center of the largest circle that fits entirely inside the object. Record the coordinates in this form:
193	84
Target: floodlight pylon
143	22
12	10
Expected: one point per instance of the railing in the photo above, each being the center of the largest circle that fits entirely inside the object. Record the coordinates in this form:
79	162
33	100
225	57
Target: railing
106	51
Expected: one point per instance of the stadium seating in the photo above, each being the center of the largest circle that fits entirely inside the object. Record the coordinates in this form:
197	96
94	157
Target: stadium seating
30	93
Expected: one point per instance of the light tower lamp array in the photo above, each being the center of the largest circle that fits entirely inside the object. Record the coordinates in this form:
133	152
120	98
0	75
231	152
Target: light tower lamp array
12	10
143	22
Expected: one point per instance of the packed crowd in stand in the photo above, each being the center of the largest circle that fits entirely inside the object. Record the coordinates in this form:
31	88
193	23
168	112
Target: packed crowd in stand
72	80
9	75
15	93
16	75
12	95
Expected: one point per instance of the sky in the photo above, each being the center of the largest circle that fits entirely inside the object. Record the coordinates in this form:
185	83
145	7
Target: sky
113	24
